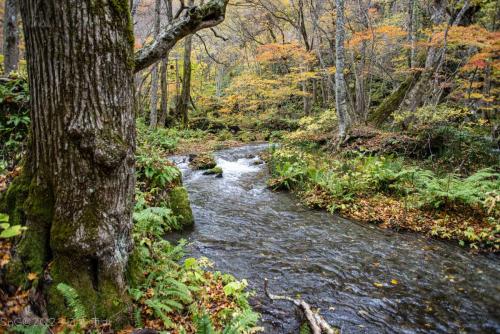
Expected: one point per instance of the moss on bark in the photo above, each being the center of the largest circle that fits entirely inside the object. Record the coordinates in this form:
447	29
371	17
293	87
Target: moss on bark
30	204
393	101
104	303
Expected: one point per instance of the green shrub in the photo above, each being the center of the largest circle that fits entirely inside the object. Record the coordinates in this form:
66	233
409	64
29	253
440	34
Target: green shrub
154	170
14	118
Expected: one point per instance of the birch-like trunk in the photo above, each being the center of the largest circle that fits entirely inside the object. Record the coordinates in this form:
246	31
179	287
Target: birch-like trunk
10	36
340	84
153	113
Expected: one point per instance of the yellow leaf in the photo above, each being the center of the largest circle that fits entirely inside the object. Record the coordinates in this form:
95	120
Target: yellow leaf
394	282
32	276
378	285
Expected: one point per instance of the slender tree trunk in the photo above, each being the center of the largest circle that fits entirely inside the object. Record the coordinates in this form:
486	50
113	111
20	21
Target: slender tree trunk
340	84
219	80
411	33
11	36
186	81
164	71
164	91
177	81
153	114
186	78
80	173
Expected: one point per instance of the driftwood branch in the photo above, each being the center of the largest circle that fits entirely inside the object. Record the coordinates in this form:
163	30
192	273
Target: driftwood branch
316	322
196	18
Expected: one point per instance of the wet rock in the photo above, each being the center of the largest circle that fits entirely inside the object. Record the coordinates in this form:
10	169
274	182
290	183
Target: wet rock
217	171
202	161
178	202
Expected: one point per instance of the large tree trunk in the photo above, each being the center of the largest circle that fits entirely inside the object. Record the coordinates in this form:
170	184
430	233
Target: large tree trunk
76	192
79	178
340	84
10	36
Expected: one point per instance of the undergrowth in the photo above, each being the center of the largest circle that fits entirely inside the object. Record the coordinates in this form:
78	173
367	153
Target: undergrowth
448	206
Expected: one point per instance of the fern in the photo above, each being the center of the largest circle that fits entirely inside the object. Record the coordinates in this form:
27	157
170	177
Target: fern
242	322
204	325
73	300
160	310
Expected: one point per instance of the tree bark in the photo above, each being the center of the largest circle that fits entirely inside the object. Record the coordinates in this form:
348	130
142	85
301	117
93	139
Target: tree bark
153	113
164	91
81	167
185	97
411	34
340	84
164	71
11	36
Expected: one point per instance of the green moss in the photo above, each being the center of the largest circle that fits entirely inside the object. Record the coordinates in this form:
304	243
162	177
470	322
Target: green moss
99	295
134	269
113	304
178	202
12	202
75	273
30	204
122	11
393	101
203	161
217	171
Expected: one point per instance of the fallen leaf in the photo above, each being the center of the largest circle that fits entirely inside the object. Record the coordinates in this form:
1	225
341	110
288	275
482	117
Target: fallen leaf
394	282
32	276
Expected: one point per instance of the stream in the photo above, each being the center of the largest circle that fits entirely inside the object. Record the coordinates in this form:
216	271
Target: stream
363	278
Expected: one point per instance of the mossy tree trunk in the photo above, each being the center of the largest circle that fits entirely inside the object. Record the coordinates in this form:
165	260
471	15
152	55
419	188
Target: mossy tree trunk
77	189
81	167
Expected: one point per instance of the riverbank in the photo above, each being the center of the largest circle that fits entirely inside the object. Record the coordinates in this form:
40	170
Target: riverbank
369	184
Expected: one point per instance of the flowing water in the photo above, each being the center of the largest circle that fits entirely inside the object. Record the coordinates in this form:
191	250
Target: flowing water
342	267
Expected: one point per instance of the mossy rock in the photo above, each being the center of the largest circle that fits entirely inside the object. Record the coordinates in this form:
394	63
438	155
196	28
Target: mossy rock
202	161
178	202
217	171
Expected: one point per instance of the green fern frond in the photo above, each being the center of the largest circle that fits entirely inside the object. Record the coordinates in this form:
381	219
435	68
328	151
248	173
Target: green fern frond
242	322
73	300
204	325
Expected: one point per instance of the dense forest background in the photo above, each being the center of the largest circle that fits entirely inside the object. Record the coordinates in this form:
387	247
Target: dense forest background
385	112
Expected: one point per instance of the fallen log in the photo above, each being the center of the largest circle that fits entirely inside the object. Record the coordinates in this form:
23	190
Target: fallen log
317	324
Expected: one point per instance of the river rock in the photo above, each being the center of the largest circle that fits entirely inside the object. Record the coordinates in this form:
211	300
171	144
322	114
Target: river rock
217	171
202	161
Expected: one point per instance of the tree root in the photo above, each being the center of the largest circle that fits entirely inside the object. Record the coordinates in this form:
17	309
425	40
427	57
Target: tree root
316	322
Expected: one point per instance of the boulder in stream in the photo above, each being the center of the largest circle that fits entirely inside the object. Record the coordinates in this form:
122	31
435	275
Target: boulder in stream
217	171
202	161
178	202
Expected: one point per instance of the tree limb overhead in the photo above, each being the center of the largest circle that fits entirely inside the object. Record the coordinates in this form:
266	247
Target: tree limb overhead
195	18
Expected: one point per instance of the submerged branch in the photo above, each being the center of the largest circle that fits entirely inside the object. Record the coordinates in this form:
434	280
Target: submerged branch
316	322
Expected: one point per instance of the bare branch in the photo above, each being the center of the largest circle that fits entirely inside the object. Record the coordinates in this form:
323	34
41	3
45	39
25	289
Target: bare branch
195	19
